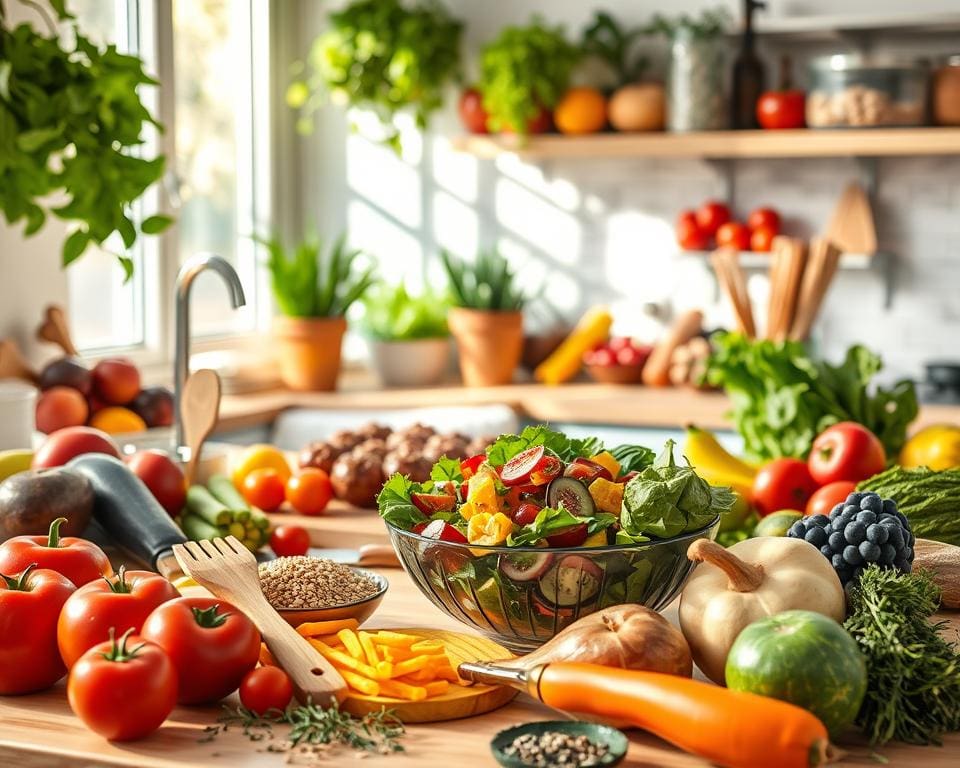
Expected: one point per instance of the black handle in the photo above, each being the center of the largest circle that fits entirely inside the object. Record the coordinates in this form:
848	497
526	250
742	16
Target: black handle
126	509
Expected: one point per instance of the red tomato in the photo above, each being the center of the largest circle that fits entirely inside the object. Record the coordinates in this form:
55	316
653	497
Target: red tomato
518	470
289	540
711	216
761	239
778	110
211	643
829	496
30	604
764	217
163	477
70	442
783	484
846	451
571	537
123	689
472	114
266	688
689	235
310	491
431	503
122	602
548	468
526	513
264	488
79	560
468	467
441	531
733	234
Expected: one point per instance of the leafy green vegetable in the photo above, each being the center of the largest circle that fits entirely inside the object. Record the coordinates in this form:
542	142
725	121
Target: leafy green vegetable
930	500
711	23
486	284
395	505
550	521
507	446
69	118
913	672
383	55
446	469
524	70
608	41
632	458
302	290
665	500
392	314
782	399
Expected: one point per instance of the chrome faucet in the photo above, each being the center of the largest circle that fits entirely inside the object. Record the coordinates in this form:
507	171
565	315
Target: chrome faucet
181	356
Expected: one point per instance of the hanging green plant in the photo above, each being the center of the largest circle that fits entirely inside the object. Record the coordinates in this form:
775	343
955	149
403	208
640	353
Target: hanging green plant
523	71
384	56
69	117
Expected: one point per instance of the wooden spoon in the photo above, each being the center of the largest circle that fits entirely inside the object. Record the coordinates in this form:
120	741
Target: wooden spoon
199	411
56	330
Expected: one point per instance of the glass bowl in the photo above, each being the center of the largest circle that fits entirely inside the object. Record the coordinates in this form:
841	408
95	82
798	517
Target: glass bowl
521	597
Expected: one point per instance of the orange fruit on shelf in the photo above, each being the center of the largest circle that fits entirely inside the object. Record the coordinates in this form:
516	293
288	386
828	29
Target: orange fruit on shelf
581	111
310	491
115	420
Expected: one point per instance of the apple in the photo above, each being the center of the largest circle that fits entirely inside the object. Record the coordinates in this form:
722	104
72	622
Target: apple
472	114
116	380
60	407
65	444
66	372
155	406
163	477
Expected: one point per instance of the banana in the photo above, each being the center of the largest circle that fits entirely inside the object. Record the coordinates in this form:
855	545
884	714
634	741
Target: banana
14	461
711	459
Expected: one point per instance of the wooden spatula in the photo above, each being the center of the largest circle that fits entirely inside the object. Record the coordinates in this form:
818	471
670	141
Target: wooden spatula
56	330
851	227
229	570
199	410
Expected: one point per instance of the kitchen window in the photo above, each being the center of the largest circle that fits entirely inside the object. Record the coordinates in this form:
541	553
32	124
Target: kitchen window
211	56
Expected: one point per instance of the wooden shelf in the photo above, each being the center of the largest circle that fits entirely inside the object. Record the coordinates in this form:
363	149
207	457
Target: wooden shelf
875	142
830	26
758	260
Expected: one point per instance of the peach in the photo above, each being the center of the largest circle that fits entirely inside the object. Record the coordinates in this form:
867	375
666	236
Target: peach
116	380
60	407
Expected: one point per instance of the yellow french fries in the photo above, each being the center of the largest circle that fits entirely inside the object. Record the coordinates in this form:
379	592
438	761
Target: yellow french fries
360	683
369	649
317	628
402	690
352	643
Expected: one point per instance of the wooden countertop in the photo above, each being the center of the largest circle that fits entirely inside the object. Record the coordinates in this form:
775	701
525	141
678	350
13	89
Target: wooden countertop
581	402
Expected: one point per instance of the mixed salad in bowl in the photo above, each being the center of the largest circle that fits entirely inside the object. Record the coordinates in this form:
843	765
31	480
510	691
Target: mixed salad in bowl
542	528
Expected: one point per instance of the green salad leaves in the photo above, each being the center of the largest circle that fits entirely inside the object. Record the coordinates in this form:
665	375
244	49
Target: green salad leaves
782	399
666	500
551	521
567	448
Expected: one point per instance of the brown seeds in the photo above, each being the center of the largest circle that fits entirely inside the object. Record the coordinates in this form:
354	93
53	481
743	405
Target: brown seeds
312	582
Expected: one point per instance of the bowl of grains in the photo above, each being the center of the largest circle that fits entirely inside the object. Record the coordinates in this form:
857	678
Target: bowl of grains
559	743
305	589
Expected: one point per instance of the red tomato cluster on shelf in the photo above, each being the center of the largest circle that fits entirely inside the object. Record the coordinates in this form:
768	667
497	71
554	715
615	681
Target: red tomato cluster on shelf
712	225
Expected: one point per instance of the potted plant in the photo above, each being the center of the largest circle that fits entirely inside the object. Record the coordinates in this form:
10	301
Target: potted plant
409	338
523	74
383	56
313	295
486	319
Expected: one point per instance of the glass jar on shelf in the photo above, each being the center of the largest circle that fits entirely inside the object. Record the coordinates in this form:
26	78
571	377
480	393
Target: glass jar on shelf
946	92
696	98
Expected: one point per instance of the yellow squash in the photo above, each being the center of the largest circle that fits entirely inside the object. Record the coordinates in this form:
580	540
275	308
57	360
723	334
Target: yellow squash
936	447
565	362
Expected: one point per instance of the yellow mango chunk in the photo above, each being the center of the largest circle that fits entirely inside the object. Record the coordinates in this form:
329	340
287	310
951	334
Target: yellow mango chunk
605	459
489	530
482	493
607	495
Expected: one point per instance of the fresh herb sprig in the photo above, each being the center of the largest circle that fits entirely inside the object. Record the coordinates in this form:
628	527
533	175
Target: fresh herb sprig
913	672
487	284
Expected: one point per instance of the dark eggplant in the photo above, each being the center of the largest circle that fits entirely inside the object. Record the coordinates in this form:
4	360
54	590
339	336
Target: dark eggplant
127	511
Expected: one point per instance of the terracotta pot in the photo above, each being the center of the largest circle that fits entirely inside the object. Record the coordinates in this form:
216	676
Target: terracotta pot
416	363
489	345
308	349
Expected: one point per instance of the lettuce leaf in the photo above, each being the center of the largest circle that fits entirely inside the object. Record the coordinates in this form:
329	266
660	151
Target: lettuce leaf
446	470
550	521
567	448
395	504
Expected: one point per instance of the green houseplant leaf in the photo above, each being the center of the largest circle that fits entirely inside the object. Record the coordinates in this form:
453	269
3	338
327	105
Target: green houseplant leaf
486	284
392	314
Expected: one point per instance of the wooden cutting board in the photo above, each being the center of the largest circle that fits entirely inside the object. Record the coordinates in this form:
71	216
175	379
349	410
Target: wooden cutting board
459	701
341	526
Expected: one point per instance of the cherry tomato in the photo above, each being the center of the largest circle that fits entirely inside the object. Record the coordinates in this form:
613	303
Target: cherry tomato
310	491
783	484
431	503
573	536
79	560
547	469
441	531
711	216
289	540
690	236
472	114
761	239
764	217
30	604
526	513
846	451
829	496
123	689
517	471
778	110
468	467
733	234
121	602
264	488
266	688
211	643
586	470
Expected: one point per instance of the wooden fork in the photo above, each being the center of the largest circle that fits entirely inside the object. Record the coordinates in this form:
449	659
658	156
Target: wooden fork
229	570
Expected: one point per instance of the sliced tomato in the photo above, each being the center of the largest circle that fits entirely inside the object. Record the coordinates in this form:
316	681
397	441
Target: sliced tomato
517	470
430	503
526	513
468	467
573	536
548	468
627	477
586	470
440	531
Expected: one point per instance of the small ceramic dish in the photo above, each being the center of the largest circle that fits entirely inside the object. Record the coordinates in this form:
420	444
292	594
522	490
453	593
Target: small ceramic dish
361	610
615	374
617	743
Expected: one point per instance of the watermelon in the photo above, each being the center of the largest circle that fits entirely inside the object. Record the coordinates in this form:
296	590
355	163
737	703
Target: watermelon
777	523
804	658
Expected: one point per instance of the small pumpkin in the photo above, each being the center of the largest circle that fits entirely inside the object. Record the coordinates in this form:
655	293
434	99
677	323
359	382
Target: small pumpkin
751	580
